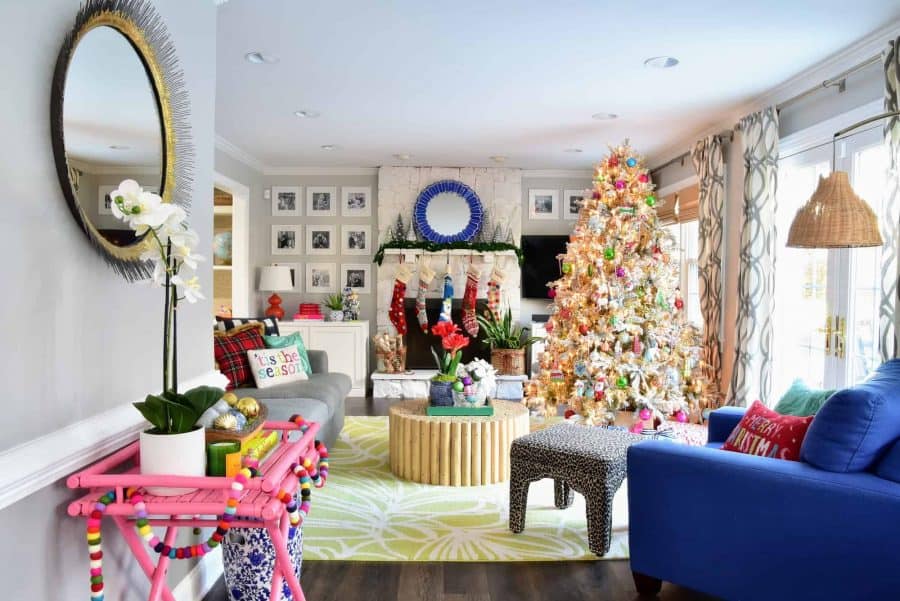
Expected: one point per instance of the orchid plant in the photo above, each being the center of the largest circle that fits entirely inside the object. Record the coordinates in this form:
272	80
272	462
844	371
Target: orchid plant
452	342
170	250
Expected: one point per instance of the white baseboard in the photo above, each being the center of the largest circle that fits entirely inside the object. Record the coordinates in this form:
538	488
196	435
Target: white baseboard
201	579
33	465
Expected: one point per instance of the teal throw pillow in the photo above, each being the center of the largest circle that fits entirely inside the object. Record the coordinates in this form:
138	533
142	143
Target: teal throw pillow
283	341
802	400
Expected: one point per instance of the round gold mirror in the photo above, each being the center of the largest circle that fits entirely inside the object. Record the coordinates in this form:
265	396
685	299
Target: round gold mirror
113	118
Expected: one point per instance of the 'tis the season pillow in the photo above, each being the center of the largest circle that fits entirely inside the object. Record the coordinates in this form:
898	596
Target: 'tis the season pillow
271	367
766	433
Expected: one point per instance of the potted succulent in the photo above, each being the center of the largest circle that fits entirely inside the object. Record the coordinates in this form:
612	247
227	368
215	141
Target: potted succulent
175	445
335	305
508	342
442	384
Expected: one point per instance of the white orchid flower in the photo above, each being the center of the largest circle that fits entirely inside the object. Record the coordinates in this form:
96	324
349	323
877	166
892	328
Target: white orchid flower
125	198
151	213
184	237
175	221
186	255
189	287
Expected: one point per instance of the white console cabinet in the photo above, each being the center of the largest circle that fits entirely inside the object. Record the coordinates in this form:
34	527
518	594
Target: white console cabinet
345	342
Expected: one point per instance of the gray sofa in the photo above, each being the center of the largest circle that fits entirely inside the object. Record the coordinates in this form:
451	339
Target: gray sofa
319	399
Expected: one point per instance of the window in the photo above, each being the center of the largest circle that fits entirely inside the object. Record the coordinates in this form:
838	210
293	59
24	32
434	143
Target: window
686	237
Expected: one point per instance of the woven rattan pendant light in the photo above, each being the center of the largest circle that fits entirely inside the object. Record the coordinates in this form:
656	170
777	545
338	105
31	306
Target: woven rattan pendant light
834	217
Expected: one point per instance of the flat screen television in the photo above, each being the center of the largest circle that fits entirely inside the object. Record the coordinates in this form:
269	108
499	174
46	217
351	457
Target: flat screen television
541	265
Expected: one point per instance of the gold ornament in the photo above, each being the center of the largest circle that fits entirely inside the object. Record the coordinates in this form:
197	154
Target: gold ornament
230	398
248	406
226	421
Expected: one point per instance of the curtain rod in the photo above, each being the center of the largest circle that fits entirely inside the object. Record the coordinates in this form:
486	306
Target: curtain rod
839	80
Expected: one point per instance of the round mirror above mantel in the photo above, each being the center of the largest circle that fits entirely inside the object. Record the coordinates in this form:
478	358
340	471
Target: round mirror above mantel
448	211
119	111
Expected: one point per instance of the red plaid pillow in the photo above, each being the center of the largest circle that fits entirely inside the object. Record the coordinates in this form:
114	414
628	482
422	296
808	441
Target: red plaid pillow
231	349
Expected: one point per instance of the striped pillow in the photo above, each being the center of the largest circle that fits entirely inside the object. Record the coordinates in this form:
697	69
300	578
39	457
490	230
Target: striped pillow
229	323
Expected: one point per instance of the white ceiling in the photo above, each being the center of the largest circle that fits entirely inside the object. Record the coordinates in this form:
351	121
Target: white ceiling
453	83
108	101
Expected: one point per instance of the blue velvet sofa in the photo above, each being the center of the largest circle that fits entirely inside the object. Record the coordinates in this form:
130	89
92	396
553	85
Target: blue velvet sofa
743	528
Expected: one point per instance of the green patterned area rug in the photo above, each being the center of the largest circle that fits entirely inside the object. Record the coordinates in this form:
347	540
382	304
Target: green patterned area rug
365	513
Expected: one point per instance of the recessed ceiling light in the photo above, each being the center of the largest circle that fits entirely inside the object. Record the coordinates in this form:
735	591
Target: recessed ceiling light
260	58
573	150
604	116
330	147
498	158
119	147
402	156
307	114
661	62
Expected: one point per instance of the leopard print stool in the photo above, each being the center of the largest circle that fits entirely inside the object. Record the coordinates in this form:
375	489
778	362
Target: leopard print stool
588	460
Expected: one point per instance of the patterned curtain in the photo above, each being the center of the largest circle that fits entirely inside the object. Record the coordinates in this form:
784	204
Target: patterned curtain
752	375
709	162
890	220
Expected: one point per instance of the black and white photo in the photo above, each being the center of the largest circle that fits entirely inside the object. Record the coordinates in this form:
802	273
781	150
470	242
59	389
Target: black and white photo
285	201
286	239
321	277
355	276
356	201
320	240
356	240
543	204
572	202
321	201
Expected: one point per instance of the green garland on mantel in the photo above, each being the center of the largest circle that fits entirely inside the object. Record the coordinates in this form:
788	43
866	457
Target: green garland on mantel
435	247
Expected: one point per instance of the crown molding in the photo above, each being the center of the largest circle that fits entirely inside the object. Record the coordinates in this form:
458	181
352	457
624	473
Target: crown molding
320	171
238	153
855	53
559	173
96	169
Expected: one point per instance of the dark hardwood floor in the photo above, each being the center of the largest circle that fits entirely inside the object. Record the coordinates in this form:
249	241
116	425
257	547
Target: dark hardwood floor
556	581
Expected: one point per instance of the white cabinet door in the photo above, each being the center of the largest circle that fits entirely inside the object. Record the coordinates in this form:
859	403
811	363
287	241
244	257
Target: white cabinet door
347	351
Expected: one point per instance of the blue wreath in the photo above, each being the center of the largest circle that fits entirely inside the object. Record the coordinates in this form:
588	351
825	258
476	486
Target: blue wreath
476	212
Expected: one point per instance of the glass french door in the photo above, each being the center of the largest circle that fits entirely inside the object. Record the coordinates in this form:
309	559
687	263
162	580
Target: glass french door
826	317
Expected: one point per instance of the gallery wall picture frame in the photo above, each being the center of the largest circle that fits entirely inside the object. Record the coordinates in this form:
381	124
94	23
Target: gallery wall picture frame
543	204
286	239
296	274
572	202
286	201
320	240
321	278
356	239
356	276
356	201
321	201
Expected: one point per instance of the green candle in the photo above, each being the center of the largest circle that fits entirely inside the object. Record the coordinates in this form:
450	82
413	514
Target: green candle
217	453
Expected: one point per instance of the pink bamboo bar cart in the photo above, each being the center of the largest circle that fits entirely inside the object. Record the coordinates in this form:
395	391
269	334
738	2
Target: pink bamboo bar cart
258	508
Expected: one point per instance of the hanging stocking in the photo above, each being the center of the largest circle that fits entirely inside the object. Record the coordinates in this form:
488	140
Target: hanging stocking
426	275
493	292
397	312
447	302
470	323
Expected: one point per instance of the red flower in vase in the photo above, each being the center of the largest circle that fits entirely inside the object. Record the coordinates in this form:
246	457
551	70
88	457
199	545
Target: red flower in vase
454	342
444	328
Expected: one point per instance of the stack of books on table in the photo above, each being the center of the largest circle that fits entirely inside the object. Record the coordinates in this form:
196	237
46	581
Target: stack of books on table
309	311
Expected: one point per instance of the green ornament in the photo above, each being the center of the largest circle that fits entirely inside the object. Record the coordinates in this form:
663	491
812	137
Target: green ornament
567	268
458	386
640	292
613	320
622	382
590	271
651	200
609	254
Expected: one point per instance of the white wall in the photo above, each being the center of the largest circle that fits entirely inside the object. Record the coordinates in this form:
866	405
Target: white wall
79	339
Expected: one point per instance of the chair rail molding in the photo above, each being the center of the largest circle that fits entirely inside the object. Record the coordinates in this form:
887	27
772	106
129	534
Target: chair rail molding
38	463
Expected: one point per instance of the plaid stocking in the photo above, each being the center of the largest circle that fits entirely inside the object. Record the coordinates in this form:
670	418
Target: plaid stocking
470	323
493	293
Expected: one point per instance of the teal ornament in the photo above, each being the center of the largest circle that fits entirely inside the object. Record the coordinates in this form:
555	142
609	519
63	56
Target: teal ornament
631	162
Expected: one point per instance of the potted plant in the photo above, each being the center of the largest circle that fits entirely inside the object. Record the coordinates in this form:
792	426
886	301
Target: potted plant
175	445
443	383
508	342
335	305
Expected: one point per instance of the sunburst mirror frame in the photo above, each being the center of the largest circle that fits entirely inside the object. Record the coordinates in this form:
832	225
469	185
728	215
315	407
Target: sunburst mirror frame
140	24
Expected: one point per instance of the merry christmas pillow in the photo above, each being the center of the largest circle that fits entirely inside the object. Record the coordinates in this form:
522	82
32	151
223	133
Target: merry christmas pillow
766	433
271	367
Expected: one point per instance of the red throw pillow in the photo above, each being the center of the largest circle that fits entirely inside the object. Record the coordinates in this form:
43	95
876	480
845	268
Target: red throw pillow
231	349
767	433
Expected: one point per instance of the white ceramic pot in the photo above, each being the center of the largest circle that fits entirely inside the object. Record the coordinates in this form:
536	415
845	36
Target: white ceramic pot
173	455
336	315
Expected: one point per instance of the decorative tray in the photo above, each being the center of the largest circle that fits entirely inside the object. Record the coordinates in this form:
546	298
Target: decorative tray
244	435
485	411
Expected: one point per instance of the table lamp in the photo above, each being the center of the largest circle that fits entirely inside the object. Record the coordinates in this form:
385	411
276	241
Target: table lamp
275	279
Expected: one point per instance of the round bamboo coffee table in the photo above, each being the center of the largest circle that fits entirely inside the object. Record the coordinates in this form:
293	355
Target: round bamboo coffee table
454	450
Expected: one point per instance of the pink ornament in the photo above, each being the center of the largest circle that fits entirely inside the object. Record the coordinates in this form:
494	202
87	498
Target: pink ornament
645	413
552	293
643	178
637	427
681	416
620	184
620	272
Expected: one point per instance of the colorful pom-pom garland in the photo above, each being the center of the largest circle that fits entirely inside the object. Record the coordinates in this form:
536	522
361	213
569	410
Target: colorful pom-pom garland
307	475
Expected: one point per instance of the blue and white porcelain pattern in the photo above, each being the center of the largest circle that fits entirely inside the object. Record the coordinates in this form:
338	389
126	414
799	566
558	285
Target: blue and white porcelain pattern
448	186
249	559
